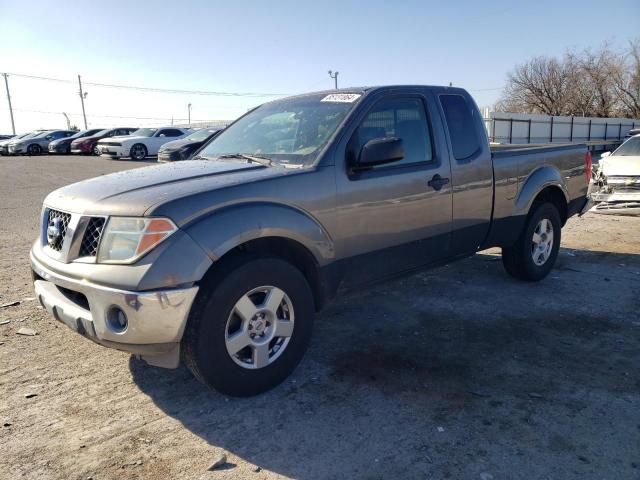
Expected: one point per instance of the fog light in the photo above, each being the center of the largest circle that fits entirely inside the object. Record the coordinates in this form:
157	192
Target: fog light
117	320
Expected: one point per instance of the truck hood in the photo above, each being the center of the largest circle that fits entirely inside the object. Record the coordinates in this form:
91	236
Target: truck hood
134	192
620	166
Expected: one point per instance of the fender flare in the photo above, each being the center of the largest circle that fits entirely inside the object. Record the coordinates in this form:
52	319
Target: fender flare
541	178
223	230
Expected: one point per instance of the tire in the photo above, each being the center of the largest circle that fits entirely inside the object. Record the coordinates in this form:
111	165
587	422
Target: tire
531	258
207	343
95	150
34	149
138	152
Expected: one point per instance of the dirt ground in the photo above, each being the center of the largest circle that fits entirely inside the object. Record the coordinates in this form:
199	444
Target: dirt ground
459	372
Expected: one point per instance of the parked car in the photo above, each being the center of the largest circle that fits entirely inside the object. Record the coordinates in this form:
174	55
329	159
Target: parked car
88	145
617	180
183	148
142	143
4	144
63	145
633	132
224	258
38	143
6	137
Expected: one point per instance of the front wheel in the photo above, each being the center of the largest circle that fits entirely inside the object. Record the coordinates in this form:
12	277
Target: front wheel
34	149
138	152
249	327
95	150
535	252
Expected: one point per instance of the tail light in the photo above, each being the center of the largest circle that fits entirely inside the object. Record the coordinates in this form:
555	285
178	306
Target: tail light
588	161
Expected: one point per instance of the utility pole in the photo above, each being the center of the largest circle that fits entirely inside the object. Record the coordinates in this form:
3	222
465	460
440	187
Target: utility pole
334	75
6	84
82	97
189	114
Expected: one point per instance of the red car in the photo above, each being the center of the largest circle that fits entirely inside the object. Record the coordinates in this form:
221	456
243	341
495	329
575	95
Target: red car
87	145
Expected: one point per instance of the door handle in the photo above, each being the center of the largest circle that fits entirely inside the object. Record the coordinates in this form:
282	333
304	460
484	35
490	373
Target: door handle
437	182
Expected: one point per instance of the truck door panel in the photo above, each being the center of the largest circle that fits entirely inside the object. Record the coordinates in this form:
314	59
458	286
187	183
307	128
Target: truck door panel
390	219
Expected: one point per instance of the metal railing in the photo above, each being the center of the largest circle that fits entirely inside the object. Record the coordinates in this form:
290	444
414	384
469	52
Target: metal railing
609	127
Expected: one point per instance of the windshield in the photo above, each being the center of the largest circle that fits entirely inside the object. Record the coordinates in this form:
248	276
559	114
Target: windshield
80	134
84	133
144	132
629	148
201	134
291	130
43	134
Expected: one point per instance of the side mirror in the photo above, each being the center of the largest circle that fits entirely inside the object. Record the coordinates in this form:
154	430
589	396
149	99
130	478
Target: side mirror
605	154
380	151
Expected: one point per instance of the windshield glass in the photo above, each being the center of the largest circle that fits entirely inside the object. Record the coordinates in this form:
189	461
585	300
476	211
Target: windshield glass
291	130
86	133
201	134
629	148
43	134
144	132
82	133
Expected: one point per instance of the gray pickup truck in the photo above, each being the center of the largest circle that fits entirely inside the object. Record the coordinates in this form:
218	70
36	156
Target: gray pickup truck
223	260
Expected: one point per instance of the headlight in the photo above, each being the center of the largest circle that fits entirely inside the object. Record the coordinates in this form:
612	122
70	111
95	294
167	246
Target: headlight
184	152
126	239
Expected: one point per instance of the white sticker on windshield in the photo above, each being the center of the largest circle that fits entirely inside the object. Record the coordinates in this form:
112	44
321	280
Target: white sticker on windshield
341	97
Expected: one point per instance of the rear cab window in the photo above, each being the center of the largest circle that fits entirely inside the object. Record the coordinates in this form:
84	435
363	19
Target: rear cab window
458	113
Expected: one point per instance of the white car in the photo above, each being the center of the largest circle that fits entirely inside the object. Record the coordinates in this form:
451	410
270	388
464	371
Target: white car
142	143
617	181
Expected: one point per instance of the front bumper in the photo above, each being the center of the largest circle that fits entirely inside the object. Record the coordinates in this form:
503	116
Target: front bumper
156	319
58	148
112	151
617	203
81	149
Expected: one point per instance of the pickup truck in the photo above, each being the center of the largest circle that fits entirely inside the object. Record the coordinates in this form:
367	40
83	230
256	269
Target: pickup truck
224	259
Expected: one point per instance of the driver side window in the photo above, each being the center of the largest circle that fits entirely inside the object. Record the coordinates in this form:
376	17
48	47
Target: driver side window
403	118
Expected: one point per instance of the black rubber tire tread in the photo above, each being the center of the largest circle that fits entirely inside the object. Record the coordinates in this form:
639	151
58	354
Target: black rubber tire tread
34	149
203	348
146	152
517	259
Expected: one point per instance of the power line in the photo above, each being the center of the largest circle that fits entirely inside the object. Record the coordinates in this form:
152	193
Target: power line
154	89
162	119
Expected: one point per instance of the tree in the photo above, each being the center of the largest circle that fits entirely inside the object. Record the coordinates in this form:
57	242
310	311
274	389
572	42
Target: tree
627	81
600	83
540	85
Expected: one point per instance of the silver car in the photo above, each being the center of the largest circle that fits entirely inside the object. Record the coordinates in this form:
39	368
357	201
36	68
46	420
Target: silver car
37	144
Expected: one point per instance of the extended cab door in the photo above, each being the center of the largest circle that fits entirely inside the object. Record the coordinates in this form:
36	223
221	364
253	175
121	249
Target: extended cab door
471	171
394	217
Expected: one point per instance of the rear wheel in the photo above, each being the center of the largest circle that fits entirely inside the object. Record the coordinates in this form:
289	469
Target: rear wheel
535	252
250	326
138	152
34	149
95	150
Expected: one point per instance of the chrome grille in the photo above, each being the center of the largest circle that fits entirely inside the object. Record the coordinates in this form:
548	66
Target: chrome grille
91	239
57	223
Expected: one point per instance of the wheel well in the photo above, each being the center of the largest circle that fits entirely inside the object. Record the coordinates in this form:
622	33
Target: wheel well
555	196
289	250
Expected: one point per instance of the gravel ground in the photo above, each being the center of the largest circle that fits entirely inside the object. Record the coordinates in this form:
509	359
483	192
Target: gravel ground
459	372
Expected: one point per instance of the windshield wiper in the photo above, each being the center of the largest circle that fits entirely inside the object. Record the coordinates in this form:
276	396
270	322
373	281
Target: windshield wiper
252	158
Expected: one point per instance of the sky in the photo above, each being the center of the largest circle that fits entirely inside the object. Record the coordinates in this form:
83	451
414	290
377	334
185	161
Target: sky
272	47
